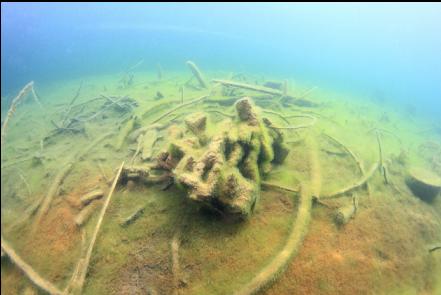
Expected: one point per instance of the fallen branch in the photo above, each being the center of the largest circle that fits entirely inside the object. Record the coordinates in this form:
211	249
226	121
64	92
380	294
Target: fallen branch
383	169
179	107
28	271
256	88
268	185
354	157
91	196
61	175
80	278
84	215
312	123
197	73
132	217
355	186
176	269
13	108
300	223
434	247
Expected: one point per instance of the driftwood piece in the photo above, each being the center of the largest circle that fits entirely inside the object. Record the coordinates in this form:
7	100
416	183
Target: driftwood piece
84	215
148	140
89	197
300	224
434	247
69	107
382	166
179	107
124	132
353	156
268	185
27	214
346	213
78	281
352	187
53	189
256	88
133	217
197	74
28	271
295	127
61	175
13	108
176	269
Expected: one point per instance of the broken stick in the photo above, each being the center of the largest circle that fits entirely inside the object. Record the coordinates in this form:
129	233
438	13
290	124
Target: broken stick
256	88
350	188
197	73
81	277
132	217
13	108
29	272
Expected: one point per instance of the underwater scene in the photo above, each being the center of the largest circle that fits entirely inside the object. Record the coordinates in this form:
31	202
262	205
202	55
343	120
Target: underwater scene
220	148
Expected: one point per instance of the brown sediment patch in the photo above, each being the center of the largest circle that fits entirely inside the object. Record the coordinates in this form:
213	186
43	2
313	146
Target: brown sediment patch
52	249
380	252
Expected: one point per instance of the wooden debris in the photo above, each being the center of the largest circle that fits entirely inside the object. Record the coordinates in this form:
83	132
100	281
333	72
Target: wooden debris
78	281
13	108
179	107
346	213
27	214
125	130
256	88
382	166
295	127
176	269
69	107
62	173
28	271
86	213
300	223
89	197
354	157
133	217
197	74
148	140
268	185
53	189
434	247
355	186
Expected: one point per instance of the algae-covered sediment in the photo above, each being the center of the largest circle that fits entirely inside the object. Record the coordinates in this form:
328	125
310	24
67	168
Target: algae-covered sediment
231	183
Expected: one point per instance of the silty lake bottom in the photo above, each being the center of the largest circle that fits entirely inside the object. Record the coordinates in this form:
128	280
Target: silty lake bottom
194	180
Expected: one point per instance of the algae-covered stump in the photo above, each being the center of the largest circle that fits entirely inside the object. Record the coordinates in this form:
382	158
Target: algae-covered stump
424	184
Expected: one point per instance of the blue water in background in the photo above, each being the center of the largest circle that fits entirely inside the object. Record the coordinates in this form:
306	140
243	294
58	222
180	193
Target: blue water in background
391	50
